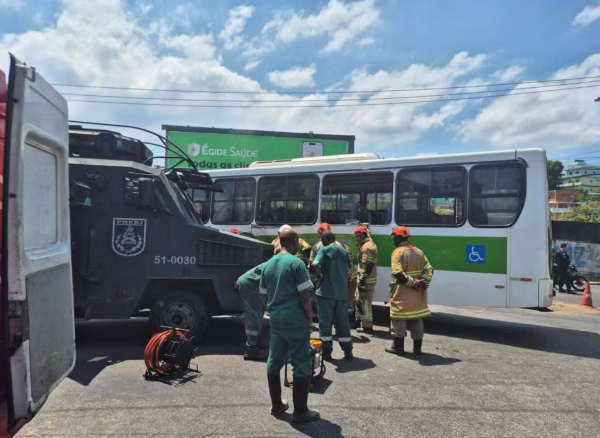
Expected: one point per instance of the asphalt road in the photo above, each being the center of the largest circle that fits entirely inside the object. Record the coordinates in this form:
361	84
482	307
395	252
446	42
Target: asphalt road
486	373
575	298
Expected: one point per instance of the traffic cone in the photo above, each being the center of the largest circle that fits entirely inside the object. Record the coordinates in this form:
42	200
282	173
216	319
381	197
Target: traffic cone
586	300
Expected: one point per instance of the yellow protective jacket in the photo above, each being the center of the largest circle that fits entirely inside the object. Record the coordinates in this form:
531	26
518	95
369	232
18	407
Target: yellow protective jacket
409	300
303	246
367	252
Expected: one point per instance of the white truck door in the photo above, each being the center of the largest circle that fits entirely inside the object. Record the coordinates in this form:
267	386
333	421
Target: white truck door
37	339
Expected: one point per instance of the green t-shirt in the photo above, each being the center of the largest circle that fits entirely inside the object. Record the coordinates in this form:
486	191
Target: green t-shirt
283	280
333	261
251	279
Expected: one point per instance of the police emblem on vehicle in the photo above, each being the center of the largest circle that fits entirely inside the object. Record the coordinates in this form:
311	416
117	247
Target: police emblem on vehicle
128	236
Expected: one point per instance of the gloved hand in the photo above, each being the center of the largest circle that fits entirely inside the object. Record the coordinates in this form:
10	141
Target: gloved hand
362	283
422	284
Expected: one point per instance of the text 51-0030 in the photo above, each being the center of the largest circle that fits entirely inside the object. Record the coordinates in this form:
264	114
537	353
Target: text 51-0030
174	260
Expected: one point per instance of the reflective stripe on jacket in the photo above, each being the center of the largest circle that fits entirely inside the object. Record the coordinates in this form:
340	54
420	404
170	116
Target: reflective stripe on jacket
367	252
409	301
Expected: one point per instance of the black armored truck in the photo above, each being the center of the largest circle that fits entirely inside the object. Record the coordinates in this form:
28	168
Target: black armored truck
138	243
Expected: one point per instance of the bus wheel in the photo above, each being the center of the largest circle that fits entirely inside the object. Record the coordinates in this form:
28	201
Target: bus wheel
180	309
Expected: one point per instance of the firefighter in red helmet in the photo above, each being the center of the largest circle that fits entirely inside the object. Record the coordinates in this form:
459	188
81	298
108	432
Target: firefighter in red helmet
411	275
367	278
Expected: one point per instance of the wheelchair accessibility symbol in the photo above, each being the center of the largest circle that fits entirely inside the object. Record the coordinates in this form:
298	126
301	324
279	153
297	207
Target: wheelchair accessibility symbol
476	254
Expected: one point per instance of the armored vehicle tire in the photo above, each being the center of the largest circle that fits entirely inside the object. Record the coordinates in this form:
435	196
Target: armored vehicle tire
181	309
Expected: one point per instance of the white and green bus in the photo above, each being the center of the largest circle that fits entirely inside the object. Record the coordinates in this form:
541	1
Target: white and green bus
482	219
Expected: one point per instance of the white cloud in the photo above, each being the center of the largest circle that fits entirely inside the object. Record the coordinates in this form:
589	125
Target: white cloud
294	77
342	23
251	65
183	15
554	120
103	43
588	15
508	74
368	41
107	43
231	34
14	4
145	8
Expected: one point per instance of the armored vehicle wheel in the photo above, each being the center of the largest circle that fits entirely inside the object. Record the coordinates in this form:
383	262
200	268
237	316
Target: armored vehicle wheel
180	309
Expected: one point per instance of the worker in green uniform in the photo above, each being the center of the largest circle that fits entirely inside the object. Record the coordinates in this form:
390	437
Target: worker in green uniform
247	286
331	267
285	292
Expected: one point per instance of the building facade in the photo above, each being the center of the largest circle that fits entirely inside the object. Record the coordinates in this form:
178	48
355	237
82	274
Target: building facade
582	176
561	200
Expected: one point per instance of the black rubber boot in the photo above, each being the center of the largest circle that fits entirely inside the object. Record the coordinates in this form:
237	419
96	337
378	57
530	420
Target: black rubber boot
397	347
300	394
417	344
278	406
348	355
327	357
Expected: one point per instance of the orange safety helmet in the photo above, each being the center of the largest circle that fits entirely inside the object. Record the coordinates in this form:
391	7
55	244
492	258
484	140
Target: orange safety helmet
400	231
360	230
234	231
324	227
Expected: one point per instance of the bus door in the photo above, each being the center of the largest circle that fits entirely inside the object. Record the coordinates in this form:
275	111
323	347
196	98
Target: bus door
37	336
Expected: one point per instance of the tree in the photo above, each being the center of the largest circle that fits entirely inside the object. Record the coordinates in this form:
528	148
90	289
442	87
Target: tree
555	169
588	212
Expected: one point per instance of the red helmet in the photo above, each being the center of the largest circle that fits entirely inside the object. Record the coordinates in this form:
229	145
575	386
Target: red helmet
323	228
234	231
400	231
360	230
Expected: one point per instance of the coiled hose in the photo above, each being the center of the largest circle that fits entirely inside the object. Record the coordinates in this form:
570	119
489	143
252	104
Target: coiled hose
153	349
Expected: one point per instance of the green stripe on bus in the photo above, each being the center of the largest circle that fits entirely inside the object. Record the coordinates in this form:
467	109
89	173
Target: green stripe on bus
446	253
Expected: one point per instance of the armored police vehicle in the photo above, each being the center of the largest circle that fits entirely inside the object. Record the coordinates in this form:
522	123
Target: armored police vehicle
138	242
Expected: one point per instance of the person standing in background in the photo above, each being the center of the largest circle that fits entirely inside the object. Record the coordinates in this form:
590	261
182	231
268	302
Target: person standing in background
367	277
247	286
331	267
411	275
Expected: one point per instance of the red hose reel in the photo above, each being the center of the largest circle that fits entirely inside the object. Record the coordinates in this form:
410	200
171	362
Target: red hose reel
168	355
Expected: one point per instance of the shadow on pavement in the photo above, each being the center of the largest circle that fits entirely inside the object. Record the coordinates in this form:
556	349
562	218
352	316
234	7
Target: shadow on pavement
318	429
321	386
356	364
432	360
532	337
102	343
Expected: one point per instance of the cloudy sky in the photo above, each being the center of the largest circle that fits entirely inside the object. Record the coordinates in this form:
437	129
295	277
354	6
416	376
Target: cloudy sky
271	51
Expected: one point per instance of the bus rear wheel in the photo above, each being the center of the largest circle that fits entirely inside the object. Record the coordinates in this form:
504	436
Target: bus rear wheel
180	309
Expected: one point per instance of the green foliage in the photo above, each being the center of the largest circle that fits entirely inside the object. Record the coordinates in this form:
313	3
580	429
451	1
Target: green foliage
555	169
589	212
584	196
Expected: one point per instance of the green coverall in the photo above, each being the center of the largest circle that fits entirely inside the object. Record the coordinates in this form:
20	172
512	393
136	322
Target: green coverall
283	280
253	308
332	297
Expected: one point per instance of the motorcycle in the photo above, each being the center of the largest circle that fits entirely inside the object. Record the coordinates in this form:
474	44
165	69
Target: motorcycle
577	280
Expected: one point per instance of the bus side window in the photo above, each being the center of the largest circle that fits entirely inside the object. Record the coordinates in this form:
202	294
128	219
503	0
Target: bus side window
357	197
287	199
497	194
434	196
235	204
